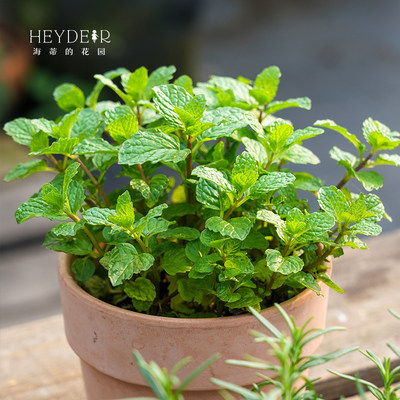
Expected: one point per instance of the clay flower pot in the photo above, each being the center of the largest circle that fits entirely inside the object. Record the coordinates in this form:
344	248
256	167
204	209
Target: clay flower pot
103	336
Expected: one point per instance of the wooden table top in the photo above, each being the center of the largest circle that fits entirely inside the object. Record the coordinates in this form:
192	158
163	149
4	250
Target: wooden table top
36	362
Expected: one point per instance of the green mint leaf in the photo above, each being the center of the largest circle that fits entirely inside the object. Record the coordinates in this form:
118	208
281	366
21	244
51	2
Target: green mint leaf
160	76
305	181
270	182
279	134
175	262
374	208
239	90
257	150
299	102
344	158
142	292
24	169
244	172
333	201
182	233
211	195
87	125
79	245
64	128
94	146
69	97
52	196
328	282
125	214
371	180
123	261
21	130
40	141
154	212
44	125
298	154
268	82
236	228
368	228
379	136
67	228
274	219
109	83
196	250
186	82
136	83
318	225
98	216
247	299
155	226
327	123
123	128
116	113
69	174
93	96
238	265
83	269
254	240
38	207
295	223
215	176
152	192
283	265
63	146
151	147
306	280
299	135
194	289
387	159
75	196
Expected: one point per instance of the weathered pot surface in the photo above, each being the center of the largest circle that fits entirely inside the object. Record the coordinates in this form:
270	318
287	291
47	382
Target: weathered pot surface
103	336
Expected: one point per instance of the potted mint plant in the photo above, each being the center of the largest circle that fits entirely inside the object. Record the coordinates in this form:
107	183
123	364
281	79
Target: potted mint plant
198	231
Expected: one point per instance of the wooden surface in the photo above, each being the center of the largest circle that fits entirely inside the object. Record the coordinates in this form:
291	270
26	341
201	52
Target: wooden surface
36	362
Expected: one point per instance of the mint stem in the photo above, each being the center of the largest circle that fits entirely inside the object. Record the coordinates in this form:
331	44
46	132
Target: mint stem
142	174
95	182
356	169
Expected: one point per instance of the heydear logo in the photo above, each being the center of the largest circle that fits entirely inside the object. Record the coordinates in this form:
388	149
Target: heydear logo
68	37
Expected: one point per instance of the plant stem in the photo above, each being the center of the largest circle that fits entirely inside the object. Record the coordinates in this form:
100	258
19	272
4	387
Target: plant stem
140	241
189	160
88	233
55	162
168	298
142	174
356	169
139	115
95	182
270	159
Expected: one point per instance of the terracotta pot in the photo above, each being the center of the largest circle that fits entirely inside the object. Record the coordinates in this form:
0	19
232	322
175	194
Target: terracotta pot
103	336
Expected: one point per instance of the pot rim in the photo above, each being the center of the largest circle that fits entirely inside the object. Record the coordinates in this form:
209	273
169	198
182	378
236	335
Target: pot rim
64	270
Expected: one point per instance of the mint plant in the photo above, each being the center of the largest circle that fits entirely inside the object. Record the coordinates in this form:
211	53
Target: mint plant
223	231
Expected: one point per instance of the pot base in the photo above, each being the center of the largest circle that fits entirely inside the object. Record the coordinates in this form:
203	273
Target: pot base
100	386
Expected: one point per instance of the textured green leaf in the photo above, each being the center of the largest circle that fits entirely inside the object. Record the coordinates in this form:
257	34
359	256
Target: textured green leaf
344	158
24	169
368	228
62	146
83	269
236	228
79	245
299	135
142	292
194	289
154	226
333	201
186	82
175	262
67	228
167	99
308	182
137	83
371	180
307	280
21	130
123	128
43	124
160	76
299	102
295	223
52	196
95	146
238	265
327	123
183	233
379	136
69	174
178	210
247	299
215	176
196	250
125	215
123	261
387	159
211	195
98	216
88	124
69	97
318	225
109	83
37	207
274	219
244	172
283	265
279	134
153	212
153	147
254	240
300	155
374	207
239	89
328	282
257	150
40	141
75	195
64	128
225	292
270	182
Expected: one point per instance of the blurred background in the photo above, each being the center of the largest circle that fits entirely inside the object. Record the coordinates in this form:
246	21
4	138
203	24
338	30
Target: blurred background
344	55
